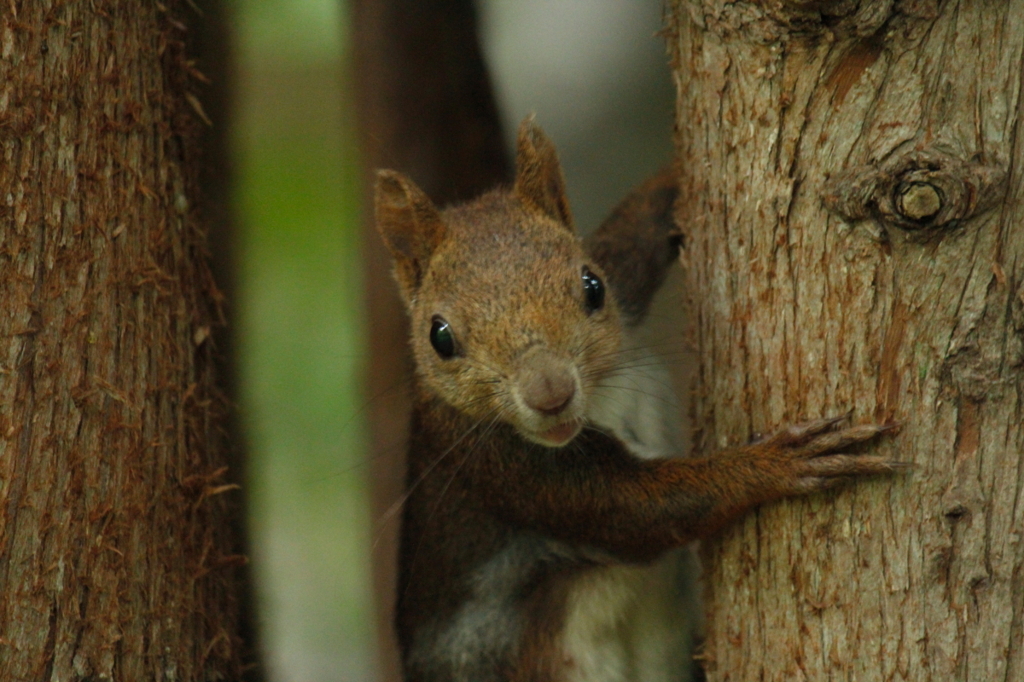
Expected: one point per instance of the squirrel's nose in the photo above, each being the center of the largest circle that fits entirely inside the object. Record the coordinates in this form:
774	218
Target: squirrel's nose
546	383
554	401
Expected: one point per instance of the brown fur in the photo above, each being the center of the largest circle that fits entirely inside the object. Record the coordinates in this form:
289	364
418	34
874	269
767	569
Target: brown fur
497	525
540	658
638	242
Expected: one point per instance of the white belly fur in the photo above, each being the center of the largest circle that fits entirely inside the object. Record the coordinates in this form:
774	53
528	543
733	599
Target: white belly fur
635	623
632	624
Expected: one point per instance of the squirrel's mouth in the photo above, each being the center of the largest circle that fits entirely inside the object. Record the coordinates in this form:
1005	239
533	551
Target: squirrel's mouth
560	434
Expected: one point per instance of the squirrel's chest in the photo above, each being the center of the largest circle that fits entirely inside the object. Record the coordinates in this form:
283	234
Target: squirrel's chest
620	622
611	623
626	623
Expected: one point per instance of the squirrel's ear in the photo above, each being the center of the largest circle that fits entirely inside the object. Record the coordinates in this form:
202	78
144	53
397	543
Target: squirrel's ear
539	178
410	224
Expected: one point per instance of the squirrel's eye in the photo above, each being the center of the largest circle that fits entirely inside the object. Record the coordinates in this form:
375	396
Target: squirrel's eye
442	338
593	290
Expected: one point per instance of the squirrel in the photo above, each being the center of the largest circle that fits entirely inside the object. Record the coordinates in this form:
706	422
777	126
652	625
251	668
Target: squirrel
546	510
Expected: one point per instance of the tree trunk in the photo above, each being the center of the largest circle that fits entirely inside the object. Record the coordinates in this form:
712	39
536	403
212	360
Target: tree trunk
853	217
211	41
115	551
425	108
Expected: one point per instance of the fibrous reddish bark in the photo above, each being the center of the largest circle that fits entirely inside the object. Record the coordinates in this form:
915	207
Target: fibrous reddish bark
852	208
115	553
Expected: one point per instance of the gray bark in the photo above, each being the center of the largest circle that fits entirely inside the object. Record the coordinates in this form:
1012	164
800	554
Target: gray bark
853	212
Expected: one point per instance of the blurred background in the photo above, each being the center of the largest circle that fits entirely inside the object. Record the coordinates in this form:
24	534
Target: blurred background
595	74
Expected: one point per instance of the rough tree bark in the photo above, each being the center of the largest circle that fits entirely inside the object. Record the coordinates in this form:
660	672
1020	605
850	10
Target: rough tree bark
853	210
210	41
115	547
425	108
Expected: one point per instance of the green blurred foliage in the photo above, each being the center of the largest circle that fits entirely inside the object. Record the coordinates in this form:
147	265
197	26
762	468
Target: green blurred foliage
297	186
296	31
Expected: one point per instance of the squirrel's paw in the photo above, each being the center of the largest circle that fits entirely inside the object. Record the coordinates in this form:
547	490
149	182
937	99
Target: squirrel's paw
815	450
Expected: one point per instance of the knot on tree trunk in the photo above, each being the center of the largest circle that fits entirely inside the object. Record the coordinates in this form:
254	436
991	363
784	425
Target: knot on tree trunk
925	193
770	21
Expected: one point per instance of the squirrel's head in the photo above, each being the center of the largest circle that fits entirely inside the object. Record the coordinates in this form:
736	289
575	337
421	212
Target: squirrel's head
510	317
